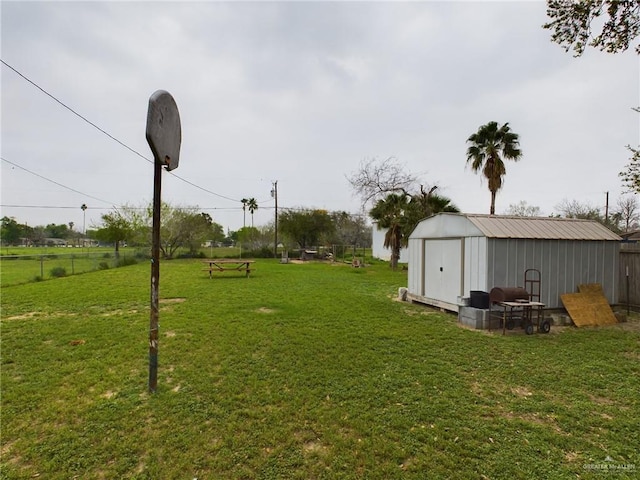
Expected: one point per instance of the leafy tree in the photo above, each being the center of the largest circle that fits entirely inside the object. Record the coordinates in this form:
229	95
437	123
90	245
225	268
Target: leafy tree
522	209
488	147
247	236
571	24
10	231
390	213
631	174
350	229
182	227
216	230
116	228
37	235
305	227
57	231
199	228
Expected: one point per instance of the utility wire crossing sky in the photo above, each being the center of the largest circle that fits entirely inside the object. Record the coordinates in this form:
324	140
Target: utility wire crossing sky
301	93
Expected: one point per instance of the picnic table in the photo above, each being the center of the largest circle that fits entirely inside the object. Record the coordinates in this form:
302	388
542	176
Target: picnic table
228	264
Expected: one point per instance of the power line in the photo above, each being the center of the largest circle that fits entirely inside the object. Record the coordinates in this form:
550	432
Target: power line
54	182
132	150
52	207
75	113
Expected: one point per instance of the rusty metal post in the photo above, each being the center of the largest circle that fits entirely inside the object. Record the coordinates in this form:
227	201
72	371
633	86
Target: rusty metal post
155	279
164	136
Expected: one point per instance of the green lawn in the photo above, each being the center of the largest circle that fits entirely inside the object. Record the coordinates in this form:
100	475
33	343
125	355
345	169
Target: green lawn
301	371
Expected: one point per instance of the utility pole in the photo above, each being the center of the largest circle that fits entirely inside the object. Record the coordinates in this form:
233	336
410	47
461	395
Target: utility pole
274	194
606	209
84	207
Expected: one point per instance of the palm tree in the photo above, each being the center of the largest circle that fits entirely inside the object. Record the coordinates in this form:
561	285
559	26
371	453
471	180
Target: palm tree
390	214
252	205
488	147
423	205
439	203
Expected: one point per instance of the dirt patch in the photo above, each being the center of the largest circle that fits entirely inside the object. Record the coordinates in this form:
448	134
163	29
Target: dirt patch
24	316
171	300
571	456
313	447
265	310
523	392
601	400
40	315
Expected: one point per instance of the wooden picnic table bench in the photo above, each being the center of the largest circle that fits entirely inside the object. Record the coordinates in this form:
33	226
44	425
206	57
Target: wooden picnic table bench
228	264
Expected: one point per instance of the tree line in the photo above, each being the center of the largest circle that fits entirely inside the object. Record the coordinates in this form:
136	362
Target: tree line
186	228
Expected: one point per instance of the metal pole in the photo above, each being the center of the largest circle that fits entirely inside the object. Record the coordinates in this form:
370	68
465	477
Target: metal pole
155	279
275	239
628	294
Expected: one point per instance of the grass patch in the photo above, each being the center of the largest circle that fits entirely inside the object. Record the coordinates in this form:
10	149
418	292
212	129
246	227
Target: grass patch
300	371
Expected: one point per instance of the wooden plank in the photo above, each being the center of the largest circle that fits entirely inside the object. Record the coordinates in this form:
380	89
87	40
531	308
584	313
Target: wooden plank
589	307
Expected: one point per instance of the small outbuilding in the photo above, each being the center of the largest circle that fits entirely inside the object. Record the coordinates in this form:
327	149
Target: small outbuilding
452	255
378	250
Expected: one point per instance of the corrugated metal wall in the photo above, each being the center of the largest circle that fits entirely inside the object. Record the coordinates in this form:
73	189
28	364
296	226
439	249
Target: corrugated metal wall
563	264
475	264
416	266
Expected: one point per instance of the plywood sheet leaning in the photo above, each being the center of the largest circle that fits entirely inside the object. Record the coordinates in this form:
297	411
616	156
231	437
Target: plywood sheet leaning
591	289
589	307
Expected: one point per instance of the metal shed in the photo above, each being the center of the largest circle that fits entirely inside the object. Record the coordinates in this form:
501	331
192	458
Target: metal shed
452	254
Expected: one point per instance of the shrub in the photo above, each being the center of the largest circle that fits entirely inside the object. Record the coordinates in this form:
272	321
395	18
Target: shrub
263	252
58	272
124	261
192	255
106	255
103	266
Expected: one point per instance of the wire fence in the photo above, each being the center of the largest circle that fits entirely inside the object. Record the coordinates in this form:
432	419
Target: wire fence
18	269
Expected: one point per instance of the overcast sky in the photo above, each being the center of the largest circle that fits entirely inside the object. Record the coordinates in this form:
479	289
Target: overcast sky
301	93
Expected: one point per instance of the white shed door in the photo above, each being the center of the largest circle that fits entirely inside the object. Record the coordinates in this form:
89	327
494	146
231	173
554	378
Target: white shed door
443	269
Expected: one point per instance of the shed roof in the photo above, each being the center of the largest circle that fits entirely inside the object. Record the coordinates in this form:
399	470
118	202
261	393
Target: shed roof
496	226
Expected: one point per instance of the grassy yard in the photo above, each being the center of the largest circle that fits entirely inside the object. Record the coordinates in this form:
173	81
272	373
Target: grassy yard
301	371
23	265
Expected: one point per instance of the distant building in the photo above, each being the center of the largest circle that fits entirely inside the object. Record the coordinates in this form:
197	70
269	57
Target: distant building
378	248
54	242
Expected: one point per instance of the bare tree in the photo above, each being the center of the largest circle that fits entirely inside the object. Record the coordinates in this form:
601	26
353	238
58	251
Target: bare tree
523	209
629	212
375	178
576	209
